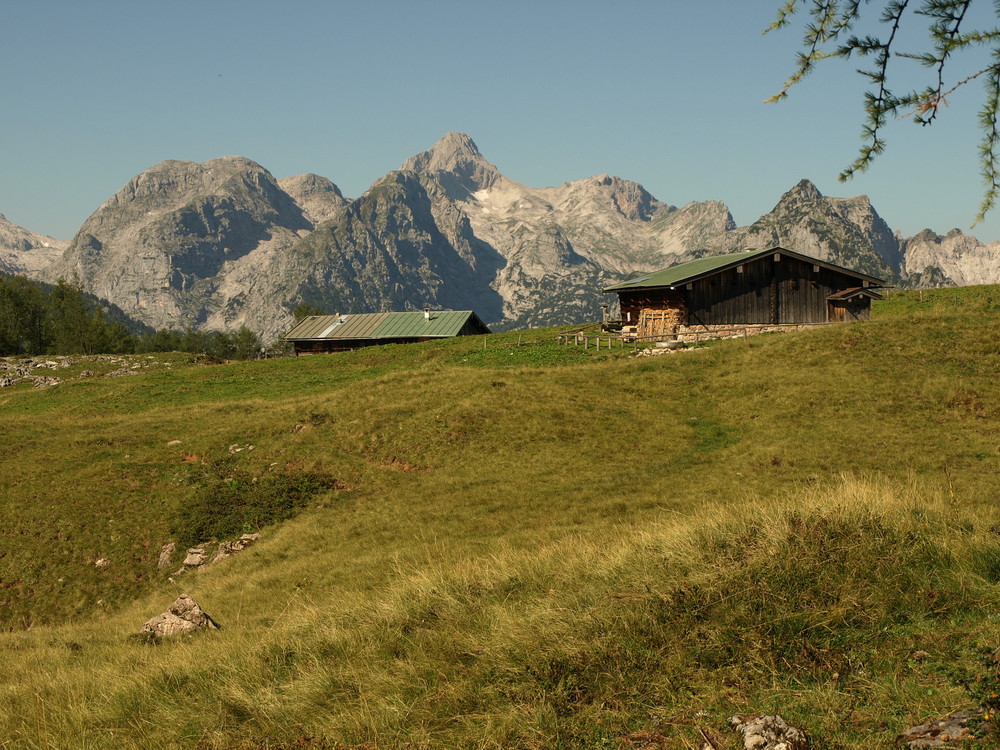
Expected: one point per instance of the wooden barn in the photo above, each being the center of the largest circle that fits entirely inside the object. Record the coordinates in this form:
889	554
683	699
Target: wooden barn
337	333
757	287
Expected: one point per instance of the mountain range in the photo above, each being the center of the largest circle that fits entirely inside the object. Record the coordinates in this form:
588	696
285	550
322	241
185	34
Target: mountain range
222	243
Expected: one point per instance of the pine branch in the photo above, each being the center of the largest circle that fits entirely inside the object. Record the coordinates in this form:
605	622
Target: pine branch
991	141
880	105
830	20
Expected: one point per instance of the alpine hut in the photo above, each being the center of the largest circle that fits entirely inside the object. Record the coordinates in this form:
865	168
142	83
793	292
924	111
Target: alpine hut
771	287
336	333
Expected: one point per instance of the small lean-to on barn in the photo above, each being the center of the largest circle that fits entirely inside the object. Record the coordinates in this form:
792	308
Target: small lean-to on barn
756	287
337	333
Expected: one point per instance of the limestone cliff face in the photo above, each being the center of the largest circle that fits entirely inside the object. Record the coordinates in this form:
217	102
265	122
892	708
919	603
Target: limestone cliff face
167	247
955	258
25	252
395	248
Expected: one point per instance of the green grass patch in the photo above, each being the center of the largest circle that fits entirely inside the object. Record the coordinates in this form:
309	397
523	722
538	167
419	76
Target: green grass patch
229	500
542	545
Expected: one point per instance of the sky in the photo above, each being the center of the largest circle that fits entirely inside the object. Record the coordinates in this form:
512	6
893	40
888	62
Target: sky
667	93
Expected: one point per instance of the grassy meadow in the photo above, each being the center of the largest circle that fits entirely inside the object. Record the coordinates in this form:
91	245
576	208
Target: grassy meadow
521	544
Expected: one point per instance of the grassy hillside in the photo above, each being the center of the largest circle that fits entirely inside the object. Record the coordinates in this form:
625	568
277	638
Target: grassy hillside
519	546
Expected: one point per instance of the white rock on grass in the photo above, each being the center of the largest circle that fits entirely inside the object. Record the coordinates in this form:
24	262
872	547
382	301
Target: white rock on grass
768	733
183	616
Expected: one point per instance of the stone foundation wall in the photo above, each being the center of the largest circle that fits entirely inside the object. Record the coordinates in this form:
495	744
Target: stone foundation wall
690	334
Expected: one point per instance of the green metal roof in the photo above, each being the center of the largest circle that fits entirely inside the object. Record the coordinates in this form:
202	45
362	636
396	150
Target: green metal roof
317	327
683	273
406	325
387	325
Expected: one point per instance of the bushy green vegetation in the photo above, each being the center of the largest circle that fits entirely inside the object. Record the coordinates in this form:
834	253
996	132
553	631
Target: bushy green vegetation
229	501
38	318
526	545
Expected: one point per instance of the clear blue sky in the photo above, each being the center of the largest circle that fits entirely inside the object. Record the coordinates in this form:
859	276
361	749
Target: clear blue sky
665	93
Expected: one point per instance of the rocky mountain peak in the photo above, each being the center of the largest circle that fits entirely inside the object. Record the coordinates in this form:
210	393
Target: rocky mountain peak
172	183
631	199
22	251
456	163
222	243
846	231
804	190
165	243
319	198
453	149
309	184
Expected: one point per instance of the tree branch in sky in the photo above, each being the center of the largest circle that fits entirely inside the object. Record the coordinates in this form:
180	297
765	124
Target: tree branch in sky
830	32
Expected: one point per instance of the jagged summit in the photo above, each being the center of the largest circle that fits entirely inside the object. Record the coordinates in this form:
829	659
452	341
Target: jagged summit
22	251
453	148
320	199
457	164
846	231
803	190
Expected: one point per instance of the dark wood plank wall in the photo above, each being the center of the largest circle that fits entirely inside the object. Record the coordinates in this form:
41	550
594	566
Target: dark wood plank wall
786	291
859	308
733	297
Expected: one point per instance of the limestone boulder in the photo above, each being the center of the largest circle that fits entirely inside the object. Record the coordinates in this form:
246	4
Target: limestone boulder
953	730
166	554
183	616
226	549
195	557
768	733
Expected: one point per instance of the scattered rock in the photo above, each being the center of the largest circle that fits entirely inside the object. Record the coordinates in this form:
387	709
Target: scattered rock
7	381
195	557
102	562
183	616
45	382
298	428
768	733
656	350
227	548
19	370
174	442
165	555
119	372
87	374
950	731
